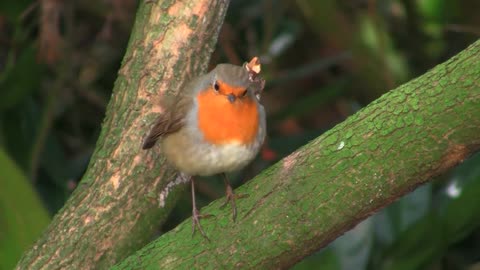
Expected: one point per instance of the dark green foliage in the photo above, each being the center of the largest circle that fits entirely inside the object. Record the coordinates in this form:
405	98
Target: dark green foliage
323	61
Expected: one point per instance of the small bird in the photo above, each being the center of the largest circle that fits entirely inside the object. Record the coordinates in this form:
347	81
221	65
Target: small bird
214	126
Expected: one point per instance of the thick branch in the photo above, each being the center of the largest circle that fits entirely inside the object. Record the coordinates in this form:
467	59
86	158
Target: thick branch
302	203
117	207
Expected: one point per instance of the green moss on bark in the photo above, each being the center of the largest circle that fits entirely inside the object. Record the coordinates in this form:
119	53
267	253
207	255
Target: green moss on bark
110	214
400	141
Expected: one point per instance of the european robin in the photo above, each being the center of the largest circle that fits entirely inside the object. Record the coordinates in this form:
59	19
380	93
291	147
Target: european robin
214	126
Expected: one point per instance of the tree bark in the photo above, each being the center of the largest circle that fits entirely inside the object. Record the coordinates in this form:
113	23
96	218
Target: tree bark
398	142
122	197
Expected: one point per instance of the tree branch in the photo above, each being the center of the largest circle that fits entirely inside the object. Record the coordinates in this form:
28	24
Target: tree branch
115	210
400	141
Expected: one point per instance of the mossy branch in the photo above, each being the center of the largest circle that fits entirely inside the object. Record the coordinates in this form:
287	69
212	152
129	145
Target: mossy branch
398	142
121	200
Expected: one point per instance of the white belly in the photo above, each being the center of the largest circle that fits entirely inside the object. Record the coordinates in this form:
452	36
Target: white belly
205	159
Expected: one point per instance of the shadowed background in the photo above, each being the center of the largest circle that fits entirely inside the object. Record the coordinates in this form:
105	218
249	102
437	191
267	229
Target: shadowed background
323	61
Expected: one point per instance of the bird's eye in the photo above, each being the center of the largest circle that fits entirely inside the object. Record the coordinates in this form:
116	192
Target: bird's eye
216	86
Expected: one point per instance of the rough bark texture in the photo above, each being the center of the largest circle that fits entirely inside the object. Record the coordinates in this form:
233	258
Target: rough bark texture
302	203
117	207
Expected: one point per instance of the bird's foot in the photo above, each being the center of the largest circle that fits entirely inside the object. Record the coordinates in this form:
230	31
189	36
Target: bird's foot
196	216
231	197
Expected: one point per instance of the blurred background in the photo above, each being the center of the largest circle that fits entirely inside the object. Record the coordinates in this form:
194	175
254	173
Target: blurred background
323	61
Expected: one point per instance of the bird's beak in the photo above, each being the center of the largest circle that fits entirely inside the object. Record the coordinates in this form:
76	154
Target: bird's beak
231	98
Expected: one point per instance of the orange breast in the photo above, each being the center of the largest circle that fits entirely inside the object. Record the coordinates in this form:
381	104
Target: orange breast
223	122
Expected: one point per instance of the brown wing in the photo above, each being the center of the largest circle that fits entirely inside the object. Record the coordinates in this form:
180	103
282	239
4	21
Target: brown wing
169	122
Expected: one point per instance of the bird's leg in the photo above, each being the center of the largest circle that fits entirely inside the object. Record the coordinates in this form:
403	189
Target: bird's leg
196	216
231	196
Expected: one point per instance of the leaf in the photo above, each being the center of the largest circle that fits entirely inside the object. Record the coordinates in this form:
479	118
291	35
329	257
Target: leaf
325	260
391	222
13	9
416	246
462	214
22	215
20	79
354	247
18	126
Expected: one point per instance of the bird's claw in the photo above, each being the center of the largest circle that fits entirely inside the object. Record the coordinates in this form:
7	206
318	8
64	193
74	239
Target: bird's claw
196	216
231	197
